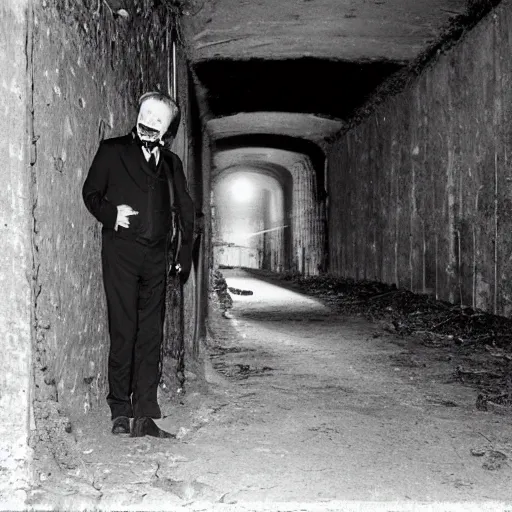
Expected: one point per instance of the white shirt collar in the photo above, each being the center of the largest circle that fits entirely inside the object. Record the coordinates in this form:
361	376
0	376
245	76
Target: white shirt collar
147	153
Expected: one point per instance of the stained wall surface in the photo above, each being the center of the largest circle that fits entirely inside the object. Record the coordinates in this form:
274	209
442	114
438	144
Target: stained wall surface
180	343
15	255
306	219
420	192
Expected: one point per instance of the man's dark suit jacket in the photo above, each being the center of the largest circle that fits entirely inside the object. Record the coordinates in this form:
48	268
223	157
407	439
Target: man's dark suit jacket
116	168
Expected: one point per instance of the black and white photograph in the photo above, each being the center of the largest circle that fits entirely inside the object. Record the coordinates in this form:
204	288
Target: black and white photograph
256	255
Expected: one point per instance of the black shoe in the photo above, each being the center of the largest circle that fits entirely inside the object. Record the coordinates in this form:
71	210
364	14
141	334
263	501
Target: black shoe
121	425
145	426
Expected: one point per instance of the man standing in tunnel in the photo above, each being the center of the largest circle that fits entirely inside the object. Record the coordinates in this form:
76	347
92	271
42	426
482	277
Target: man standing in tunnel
137	189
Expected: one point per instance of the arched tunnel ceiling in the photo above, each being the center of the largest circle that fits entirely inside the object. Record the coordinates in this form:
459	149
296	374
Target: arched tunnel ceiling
305	126
262	150
274	162
271	161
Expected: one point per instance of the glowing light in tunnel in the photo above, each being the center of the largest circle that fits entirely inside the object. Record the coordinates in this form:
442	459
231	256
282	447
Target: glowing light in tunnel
242	189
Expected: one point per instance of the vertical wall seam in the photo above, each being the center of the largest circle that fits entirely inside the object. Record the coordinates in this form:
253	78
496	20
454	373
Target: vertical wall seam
29	52
30	158
495	297
496	139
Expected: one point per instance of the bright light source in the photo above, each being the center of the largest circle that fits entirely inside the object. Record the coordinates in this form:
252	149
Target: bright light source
242	189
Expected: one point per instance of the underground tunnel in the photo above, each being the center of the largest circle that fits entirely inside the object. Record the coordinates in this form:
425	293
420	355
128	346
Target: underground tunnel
348	165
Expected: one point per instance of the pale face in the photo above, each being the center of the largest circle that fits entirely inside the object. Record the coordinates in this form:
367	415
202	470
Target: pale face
154	120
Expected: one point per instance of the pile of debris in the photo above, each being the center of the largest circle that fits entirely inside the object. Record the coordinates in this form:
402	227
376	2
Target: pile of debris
220	287
407	311
238	291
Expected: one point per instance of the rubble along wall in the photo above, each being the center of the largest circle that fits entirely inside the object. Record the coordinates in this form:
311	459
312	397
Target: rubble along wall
420	191
90	66
15	256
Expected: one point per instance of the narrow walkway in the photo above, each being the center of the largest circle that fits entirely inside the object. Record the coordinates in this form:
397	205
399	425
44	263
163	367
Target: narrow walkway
307	411
347	414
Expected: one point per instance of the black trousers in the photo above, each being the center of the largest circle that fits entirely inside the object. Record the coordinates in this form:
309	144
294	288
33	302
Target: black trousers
134	280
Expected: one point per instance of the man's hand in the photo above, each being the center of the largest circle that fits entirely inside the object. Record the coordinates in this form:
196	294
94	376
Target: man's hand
123	213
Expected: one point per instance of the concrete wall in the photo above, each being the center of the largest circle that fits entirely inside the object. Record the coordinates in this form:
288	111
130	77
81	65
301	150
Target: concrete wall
205	267
308	232
70	76
180	348
89	70
420	192
15	256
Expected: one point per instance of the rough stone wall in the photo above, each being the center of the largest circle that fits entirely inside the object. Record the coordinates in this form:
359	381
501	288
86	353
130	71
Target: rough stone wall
89	68
15	256
198	289
179	349
420	192
183	149
306	220
207	266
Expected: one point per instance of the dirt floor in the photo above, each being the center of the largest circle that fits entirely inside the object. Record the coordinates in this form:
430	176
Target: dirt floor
307	409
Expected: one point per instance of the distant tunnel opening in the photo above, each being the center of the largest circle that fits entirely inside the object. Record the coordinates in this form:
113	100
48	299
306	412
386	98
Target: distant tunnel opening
249	222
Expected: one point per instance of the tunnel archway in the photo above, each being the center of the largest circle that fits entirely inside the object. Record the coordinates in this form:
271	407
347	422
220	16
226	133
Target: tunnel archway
265	139
279	142
249	217
304	238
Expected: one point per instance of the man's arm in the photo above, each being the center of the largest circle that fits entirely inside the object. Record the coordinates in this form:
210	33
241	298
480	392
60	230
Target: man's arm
187	213
95	187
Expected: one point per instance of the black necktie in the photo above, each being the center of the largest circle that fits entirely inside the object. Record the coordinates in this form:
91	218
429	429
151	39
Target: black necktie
152	162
